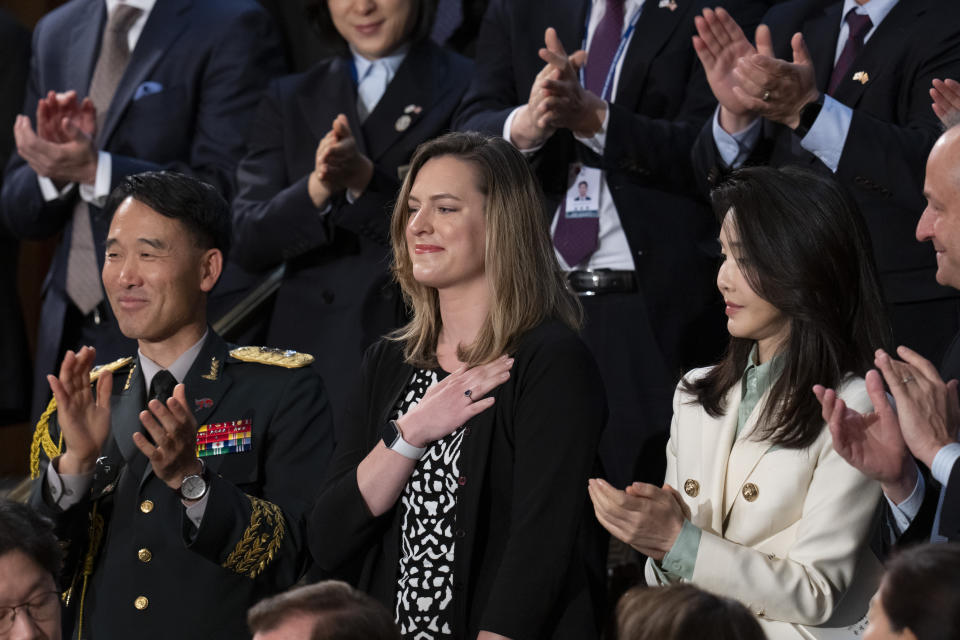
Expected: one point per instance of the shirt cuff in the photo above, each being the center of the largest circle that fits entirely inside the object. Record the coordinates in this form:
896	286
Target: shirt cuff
96	193
828	135
906	511
598	141
682	557
734	148
68	489
50	191
943	462
506	133
196	510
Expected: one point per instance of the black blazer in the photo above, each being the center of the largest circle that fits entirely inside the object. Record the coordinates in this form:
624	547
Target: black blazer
529	558
336	297
183	104
892	131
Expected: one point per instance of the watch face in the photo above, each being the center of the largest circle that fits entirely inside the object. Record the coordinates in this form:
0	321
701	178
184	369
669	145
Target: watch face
193	487
389	434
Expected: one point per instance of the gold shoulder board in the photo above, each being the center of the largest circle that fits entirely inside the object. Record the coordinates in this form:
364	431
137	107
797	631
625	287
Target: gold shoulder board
276	357
99	370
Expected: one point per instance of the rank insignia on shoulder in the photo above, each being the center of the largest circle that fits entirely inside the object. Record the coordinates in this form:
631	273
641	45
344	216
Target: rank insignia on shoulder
224	437
99	370
277	357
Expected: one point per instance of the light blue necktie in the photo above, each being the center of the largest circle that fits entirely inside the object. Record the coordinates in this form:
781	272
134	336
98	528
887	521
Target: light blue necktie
371	88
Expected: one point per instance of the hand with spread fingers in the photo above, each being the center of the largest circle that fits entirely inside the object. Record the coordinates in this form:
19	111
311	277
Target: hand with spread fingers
774	88
871	442
720	43
340	163
454	400
646	517
84	419
74	160
173	452
57	111
946	101
927	406
567	104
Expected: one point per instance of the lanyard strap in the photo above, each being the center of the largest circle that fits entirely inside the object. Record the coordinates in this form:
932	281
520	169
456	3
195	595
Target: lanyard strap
608	83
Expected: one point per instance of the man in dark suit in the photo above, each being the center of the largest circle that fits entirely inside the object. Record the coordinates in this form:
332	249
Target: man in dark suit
923	427
317	186
178	488
172	85
853	102
642	262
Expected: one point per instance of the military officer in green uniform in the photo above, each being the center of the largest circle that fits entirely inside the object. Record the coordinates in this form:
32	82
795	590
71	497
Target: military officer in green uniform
179	484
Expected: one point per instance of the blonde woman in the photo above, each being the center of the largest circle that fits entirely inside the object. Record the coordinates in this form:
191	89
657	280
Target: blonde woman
459	489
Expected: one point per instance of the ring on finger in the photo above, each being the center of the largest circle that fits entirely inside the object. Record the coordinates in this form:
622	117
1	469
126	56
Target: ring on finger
468	393
766	96
907	379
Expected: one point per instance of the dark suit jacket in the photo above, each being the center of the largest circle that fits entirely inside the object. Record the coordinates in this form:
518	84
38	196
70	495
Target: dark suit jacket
15	377
662	101
336	297
527	563
210	59
893	128
199	582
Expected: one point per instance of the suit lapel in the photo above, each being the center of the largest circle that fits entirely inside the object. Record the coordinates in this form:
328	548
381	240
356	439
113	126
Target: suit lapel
84	45
654	27
744	456
125	412
716	441
396	113
880	51
820	34
163	27
205	385
333	84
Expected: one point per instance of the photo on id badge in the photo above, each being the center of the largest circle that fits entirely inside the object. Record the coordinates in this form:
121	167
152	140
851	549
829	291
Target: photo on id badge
583	196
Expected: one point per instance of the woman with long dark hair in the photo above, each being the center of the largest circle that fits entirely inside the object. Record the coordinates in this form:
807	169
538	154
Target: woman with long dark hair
458	486
769	513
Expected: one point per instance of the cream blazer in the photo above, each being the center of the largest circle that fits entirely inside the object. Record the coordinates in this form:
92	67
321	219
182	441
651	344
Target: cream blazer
785	531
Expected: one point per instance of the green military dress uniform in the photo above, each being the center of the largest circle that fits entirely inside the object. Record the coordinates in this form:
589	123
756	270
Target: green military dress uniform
137	566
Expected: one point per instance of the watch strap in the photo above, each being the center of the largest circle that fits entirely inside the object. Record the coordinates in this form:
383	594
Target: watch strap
393	439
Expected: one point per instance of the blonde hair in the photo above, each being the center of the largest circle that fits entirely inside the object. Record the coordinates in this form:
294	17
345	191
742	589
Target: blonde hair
526	284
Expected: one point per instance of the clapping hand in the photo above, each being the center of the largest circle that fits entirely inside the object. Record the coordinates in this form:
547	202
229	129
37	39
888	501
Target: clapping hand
720	43
946	101
62	148
647	517
84	419
339	162
173	453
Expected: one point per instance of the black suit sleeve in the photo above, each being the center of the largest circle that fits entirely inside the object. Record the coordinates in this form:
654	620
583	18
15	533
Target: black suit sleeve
950	513
260	534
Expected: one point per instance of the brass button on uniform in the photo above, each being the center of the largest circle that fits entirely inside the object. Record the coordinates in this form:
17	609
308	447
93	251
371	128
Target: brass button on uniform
141	603
145	555
750	492
146	506
691	487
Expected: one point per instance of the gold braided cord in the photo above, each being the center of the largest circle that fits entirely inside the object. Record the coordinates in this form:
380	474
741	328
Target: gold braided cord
96	535
42	439
257	547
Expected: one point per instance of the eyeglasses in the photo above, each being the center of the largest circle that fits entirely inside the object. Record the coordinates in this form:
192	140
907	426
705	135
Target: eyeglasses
40	609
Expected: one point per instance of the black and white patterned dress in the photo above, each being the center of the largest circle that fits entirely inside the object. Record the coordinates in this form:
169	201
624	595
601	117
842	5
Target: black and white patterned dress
428	513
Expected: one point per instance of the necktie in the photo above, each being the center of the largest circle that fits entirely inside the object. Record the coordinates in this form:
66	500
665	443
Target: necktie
859	25
577	238
161	387
371	88
83	274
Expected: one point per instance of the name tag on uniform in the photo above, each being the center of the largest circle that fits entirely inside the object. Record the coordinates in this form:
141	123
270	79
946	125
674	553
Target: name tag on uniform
583	196
224	437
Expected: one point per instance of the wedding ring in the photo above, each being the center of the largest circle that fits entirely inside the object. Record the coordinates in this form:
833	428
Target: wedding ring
468	393
907	379
766	96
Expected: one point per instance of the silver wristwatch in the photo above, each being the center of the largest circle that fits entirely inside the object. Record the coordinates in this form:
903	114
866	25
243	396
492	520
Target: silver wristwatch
194	486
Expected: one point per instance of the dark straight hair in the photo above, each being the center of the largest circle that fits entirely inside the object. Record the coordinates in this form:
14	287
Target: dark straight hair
317	13
805	249
921	591
198	205
23	529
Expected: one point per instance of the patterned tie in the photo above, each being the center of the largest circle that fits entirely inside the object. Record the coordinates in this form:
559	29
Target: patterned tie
859	26
576	238
83	274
